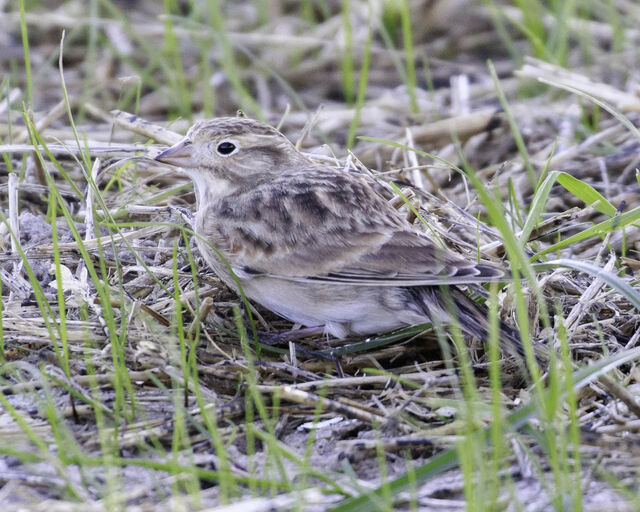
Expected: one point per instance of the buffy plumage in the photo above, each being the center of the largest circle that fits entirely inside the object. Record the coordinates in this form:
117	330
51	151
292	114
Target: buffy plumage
313	243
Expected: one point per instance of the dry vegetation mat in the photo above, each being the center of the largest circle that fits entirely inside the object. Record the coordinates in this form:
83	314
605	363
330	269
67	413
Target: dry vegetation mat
132	378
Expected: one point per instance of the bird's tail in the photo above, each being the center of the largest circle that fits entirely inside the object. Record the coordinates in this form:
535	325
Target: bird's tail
473	319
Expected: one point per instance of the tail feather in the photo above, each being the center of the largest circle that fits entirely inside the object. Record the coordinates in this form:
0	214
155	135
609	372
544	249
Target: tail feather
473	319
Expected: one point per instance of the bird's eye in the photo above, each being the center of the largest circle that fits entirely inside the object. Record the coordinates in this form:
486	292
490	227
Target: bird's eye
226	148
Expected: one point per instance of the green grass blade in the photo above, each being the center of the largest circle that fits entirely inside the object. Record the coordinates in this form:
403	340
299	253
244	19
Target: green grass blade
407	38
448	459
362	87
27	59
579	188
538	204
517	136
601	229
347	56
586	193
229	62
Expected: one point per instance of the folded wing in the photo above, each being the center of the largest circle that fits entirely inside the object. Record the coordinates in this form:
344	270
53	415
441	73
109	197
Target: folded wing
332	227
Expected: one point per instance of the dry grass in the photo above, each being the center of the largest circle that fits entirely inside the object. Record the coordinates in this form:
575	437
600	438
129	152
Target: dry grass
124	402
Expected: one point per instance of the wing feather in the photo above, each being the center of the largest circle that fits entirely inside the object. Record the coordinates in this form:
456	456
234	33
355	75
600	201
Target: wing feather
332	227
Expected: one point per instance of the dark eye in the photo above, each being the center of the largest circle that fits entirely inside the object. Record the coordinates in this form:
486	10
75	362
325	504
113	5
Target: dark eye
226	148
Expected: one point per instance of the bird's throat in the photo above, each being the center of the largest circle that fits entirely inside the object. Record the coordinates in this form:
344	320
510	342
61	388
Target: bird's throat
210	189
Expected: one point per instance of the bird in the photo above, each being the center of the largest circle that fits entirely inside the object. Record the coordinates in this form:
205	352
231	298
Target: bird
316	244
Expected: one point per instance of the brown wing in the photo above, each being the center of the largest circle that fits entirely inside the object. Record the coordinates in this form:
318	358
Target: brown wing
409	259
331	226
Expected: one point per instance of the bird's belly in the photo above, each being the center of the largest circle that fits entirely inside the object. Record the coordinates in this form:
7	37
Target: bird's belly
341	309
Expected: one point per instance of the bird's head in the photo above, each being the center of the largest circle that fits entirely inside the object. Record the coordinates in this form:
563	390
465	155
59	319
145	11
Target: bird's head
232	152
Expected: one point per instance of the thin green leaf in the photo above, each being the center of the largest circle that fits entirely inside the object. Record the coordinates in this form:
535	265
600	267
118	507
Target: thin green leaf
515	131
538	205
583	191
586	193
601	229
347	55
407	37
362	86
448	459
